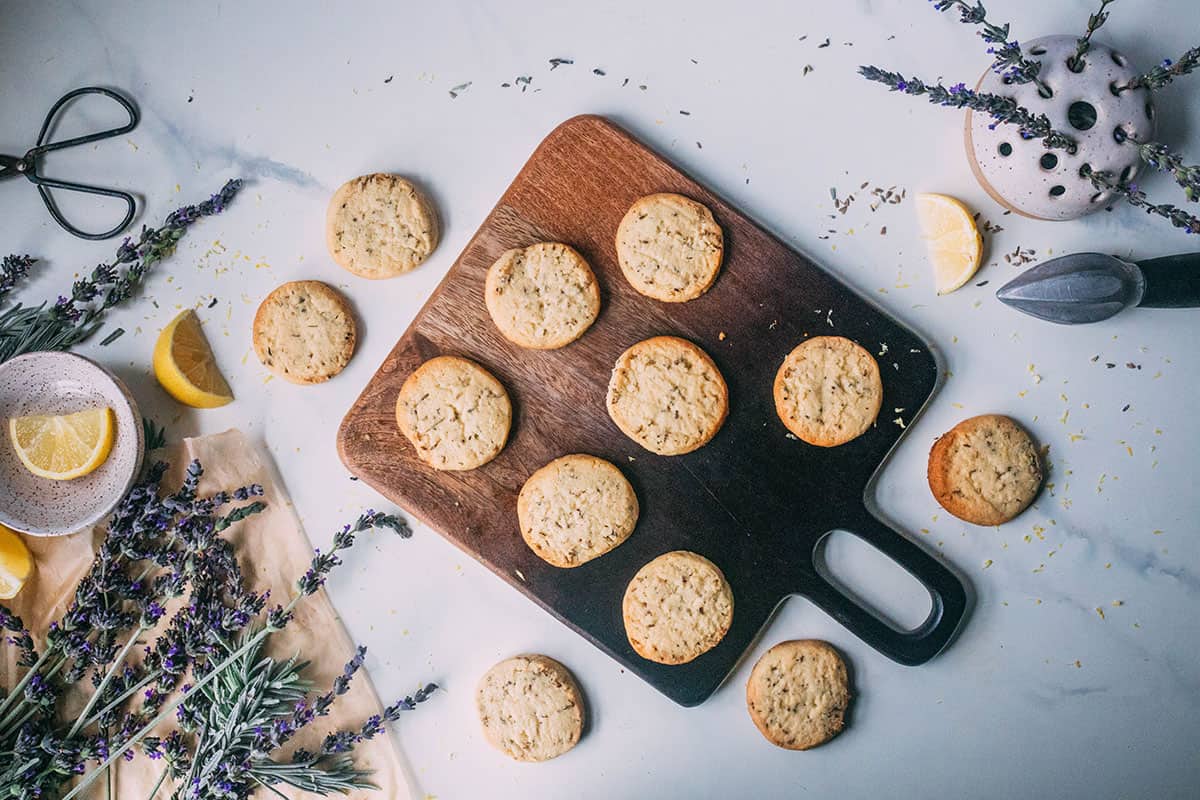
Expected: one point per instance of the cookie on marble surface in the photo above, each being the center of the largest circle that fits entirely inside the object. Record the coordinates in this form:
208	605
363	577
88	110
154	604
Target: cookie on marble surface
985	470
797	694
669	247
576	508
380	226
530	707
455	413
304	332
677	607
543	296
828	391
667	395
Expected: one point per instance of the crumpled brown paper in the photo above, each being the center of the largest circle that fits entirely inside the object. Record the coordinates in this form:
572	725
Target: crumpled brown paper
274	551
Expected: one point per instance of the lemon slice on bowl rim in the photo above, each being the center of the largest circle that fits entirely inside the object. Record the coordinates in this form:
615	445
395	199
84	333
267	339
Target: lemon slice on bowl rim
16	563
954	243
185	366
62	448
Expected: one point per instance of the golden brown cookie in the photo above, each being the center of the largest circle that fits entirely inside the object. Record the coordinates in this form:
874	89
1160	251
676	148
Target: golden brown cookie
530	707
576	508
828	391
985	470
797	694
380	226
454	412
667	395
677	607
669	247
304	331
543	296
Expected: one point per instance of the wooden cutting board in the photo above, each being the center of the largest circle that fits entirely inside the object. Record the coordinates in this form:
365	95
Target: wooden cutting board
754	500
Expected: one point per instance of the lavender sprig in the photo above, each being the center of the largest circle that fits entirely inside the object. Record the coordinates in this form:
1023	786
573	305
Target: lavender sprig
1009	59
1003	110
1165	72
1076	62
13	270
1106	182
1159	157
75	317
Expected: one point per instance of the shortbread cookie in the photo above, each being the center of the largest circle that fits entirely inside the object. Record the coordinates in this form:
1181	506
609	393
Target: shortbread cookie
669	247
531	708
985	470
455	413
797	694
305	332
543	296
667	395
380	226
576	508
677	607
828	391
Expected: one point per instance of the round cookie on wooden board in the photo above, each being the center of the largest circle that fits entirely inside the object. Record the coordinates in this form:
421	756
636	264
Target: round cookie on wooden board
543	296
985	470
828	391
380	226
455	413
797	694
677	607
669	247
667	395
576	508
304	332
530	707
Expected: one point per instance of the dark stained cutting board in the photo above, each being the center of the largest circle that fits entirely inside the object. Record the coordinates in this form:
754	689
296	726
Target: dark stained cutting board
754	500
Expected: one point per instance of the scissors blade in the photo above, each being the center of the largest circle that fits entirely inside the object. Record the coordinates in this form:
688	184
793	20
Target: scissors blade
9	166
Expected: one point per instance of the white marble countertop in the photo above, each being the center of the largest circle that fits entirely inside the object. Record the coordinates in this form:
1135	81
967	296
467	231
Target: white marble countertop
1041	695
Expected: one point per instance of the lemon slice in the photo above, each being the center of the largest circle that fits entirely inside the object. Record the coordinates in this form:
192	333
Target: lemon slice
66	447
955	246
15	563
185	367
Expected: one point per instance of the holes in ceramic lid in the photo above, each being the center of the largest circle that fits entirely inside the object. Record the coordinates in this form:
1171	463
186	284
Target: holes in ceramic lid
1150	111
1096	197
1045	91
1126	174
1082	115
1114	88
1058	191
1120	135
1048	161
1119	60
1005	149
1037	51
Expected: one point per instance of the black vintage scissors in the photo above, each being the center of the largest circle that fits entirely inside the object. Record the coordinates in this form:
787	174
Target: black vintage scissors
27	165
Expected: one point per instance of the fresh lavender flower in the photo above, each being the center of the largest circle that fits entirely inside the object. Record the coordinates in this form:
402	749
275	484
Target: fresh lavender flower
1165	72
1008	59
13	270
1106	182
73	319
1003	110
1095	21
1162	159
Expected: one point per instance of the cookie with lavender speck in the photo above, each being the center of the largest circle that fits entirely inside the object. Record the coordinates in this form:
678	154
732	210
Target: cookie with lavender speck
305	332
669	247
379	226
985	470
797	694
530	707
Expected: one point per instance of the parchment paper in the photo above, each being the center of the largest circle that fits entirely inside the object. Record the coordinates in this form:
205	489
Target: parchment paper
274	551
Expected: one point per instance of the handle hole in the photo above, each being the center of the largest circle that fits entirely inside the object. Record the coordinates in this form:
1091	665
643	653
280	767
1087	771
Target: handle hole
862	572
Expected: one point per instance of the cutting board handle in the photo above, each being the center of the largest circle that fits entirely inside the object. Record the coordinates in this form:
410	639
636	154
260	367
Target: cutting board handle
947	593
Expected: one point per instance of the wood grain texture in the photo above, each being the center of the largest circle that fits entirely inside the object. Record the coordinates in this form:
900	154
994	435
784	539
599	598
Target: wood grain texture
754	500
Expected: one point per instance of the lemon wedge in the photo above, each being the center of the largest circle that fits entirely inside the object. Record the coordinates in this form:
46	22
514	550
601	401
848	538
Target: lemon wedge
63	448
185	367
15	563
955	246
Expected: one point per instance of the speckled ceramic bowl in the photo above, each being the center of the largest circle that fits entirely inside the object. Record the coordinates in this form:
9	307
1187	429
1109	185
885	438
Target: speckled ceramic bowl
62	383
